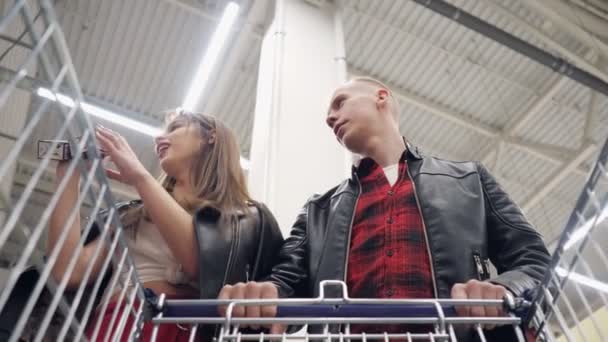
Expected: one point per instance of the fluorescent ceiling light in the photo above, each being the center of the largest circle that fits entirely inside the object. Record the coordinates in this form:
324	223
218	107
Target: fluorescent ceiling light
102	113
579	278
216	45
580	233
110	116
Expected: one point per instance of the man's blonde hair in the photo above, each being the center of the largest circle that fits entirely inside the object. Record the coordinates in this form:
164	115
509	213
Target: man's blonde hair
396	109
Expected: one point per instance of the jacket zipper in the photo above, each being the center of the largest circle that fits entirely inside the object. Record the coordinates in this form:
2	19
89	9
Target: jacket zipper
426	238
479	266
486	263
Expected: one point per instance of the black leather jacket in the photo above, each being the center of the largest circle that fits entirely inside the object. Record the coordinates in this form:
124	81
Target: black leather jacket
237	251
230	250
468	220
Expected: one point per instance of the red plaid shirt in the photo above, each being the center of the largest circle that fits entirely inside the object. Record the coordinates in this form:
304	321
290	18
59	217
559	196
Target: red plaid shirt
388	254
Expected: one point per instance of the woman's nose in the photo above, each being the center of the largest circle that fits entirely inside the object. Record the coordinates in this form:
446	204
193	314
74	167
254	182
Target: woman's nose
159	138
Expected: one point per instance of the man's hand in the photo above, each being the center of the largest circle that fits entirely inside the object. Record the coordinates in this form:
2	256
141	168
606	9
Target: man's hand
252	290
475	289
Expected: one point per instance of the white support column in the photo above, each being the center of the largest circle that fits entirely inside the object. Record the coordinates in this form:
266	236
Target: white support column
294	154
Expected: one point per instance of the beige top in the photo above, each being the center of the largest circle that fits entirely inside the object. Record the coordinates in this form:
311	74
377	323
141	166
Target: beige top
152	258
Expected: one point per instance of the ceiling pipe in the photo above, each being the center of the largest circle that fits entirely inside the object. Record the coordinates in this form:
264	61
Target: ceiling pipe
537	54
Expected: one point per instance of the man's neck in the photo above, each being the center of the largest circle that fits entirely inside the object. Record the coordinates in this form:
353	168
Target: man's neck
386	150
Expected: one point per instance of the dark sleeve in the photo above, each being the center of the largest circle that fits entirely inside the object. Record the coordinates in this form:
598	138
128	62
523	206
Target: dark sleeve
215	242
102	217
290	271
270	242
515	248
97	226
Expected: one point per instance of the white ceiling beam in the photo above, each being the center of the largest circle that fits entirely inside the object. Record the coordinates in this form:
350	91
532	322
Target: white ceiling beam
31	84
434	108
437	48
536	106
248	27
547	152
445	113
466	122
525	116
552	154
551	43
555	179
591	111
192	9
599	9
547	9
26	168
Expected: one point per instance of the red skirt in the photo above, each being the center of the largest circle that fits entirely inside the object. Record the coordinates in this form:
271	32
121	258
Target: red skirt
166	332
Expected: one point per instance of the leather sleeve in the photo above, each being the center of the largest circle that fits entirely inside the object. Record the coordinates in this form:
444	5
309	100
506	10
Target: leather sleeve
214	238
230	253
270	242
514	247
290	271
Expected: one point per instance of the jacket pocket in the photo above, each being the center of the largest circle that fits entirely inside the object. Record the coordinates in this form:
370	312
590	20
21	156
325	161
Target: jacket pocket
481	266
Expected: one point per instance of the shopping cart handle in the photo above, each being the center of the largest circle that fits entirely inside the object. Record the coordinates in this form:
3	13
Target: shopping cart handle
320	310
364	310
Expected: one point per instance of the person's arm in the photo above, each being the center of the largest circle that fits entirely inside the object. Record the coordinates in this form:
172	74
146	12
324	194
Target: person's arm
514	246
287	276
174	222
290	270
58	220
270	242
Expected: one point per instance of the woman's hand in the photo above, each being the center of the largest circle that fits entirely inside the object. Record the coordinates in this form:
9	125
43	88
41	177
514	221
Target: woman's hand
130	170
62	168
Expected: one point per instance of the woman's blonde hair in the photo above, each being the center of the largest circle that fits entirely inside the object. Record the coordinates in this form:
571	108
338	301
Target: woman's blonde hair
216	175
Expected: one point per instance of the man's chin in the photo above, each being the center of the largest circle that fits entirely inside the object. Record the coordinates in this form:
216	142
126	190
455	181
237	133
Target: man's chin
351	144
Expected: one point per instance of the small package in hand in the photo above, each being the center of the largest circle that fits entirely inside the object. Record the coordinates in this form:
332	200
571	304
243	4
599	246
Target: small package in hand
61	152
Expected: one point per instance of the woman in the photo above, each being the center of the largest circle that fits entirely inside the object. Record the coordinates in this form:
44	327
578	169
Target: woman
193	231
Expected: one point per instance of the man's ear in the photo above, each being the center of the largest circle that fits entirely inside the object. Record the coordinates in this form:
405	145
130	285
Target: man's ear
383	98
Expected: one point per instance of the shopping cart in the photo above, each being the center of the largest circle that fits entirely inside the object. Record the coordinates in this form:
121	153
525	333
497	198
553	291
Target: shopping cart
571	302
34	306
36	69
333	317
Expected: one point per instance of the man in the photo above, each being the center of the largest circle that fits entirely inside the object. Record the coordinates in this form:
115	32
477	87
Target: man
404	225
